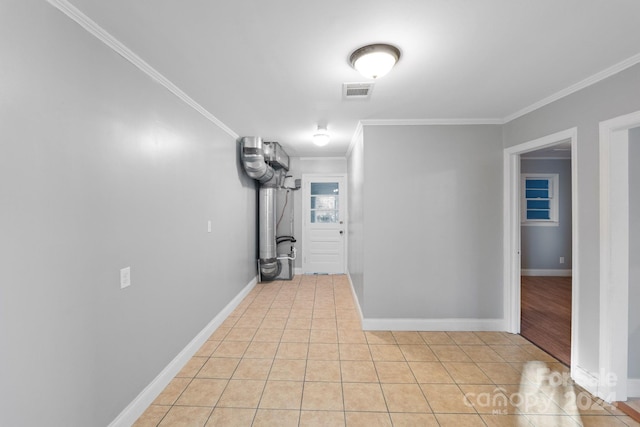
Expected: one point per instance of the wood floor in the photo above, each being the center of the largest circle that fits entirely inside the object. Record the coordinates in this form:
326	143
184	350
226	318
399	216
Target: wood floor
631	407
546	314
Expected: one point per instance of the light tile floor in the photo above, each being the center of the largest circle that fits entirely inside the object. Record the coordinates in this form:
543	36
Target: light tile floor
293	353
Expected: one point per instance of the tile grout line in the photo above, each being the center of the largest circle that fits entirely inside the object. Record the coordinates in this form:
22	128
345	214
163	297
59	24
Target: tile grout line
319	302
344	403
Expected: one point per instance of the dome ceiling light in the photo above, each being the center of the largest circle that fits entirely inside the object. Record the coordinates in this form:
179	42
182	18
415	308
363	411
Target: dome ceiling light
321	137
374	60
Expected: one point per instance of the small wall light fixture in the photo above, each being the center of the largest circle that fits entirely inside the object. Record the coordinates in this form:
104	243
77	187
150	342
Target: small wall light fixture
321	137
375	60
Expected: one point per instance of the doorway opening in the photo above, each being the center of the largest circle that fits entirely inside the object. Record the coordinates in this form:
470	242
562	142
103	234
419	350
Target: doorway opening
545	241
517	180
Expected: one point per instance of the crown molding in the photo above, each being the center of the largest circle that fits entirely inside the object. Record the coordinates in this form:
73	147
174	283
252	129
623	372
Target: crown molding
429	122
608	72
414	122
591	80
357	134
303	158
101	34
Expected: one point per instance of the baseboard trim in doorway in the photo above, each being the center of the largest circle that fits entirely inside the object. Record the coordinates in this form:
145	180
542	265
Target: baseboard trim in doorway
585	379
137	407
633	387
627	409
433	324
546	272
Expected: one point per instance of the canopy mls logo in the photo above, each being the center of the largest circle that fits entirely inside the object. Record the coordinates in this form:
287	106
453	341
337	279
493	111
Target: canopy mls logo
542	391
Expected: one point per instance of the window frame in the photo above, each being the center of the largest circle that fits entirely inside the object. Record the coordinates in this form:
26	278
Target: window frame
554	190
317	212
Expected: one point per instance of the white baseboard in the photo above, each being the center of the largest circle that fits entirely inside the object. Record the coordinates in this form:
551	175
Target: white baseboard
633	387
590	381
297	271
133	411
433	324
355	297
545	272
585	379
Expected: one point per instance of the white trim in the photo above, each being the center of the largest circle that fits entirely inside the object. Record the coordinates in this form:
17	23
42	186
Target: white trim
357	135
545	272
544	158
587	380
133	411
511	234
322	158
101	34
511	241
430	122
554	200
369	324
614	253
543	142
633	387
591	80
355	297
575	270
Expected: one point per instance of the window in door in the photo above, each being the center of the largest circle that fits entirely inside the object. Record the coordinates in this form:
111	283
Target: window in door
325	202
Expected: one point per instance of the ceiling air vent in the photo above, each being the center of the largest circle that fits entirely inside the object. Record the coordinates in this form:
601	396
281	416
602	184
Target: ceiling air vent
357	90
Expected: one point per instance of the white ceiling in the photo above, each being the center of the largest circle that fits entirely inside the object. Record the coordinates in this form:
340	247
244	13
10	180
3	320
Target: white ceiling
275	68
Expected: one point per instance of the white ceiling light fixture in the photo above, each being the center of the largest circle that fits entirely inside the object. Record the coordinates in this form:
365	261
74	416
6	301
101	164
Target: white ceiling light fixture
374	60
321	137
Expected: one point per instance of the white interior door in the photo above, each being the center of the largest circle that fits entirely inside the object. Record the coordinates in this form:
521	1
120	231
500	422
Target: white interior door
324	226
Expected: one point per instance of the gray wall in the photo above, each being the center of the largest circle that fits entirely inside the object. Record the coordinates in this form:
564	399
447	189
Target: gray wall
585	109
355	248
541	246
433	224
634	253
102	168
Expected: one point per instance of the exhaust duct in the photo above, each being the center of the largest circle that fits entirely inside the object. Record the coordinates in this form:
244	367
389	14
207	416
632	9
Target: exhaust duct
265	162
253	159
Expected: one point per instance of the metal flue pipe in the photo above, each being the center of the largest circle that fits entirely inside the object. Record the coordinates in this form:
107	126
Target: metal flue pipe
254	164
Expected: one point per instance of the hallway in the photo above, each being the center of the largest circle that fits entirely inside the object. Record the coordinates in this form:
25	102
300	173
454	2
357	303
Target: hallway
294	354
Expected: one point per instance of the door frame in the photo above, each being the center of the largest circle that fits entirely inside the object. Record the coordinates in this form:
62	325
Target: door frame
511	233
614	256
306	177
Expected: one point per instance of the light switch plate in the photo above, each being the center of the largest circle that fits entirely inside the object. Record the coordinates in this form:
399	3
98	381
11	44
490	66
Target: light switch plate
125	277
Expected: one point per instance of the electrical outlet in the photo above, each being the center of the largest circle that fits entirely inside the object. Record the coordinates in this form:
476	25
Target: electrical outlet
125	277
561	260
